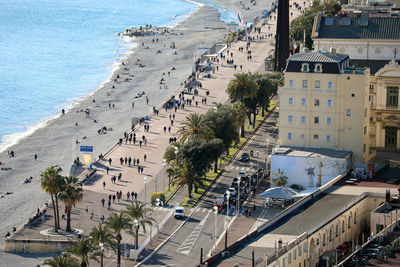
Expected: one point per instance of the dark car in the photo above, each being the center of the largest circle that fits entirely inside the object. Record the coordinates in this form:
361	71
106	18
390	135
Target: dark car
245	157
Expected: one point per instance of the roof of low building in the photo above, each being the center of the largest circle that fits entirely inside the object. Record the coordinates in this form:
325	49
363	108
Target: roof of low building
314	152
342	27
330	61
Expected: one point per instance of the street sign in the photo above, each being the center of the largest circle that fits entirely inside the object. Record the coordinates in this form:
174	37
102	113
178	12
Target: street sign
86	149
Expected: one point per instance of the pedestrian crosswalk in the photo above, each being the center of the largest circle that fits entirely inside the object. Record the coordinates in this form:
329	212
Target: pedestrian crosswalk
189	242
247	169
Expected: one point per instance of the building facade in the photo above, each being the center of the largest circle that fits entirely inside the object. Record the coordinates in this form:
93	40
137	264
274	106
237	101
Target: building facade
384	129
323	103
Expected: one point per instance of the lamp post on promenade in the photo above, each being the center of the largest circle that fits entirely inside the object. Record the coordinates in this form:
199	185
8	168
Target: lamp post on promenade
136	225
164	165
145	182
215	226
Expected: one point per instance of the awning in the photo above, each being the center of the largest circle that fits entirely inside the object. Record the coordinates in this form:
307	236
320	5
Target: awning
279	193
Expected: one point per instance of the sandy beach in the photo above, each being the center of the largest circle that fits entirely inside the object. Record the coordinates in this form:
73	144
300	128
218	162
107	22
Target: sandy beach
55	144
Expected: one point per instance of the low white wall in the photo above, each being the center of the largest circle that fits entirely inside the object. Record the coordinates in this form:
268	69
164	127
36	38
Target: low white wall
301	170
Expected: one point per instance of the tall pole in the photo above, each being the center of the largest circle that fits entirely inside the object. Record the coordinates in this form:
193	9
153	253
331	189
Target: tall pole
215	227
164	165
282	35
226	239
238	198
201	255
252	259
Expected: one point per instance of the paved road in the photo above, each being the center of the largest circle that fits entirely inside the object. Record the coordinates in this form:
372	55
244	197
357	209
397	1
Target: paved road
183	248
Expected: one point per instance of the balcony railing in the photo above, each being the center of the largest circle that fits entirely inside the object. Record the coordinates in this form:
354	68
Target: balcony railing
386	149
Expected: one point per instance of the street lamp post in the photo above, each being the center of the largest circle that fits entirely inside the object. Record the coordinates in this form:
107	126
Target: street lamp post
238	198
215	230
227	205
164	165
145	182
136	225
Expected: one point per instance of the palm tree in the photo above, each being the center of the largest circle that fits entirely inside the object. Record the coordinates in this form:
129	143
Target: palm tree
170	154
118	222
195	126
240	116
102	237
137	213
185	174
279	179
83	249
71	194
62	261
52	182
241	87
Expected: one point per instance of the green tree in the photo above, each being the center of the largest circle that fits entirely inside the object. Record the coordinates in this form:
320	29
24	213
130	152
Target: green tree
279	179
223	121
118	222
51	182
185	175
240	109
71	194
195	126
243	88
62	261
137	213
102	235
83	250
303	24
268	86
170	154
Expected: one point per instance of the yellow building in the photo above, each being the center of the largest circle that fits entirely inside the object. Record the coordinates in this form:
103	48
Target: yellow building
323	103
385	109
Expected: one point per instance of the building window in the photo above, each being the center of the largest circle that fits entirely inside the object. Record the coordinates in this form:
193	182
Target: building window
303	119
316	136
295	254
302	136
364	148
328	138
391	137
290	118
355	217
305	247
349	222
304	67
290	100
329	102
304	83
371	88
289	136
365	130
317	84
329	121
392	96
324	240
299	251
348	112
291	83
284	262
318	68
337	231
330	234
316	102
303	101
330	85
342	226
316	120
290	258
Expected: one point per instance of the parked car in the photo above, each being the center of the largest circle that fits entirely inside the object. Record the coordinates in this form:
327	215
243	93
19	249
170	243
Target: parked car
179	213
245	157
242	174
232	191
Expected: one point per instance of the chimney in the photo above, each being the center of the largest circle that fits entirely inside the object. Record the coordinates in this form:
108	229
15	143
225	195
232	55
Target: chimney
332	51
279	244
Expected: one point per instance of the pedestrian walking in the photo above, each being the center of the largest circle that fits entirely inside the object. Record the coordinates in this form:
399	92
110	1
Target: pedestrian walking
127	195
109	161
104	184
35	156
113	198
102	202
108	169
132	195
130	161
145	157
165	129
135	196
91	215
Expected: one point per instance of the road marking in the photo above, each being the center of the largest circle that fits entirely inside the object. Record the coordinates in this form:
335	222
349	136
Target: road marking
189	242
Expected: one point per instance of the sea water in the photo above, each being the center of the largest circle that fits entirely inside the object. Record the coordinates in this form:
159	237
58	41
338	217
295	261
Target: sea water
53	52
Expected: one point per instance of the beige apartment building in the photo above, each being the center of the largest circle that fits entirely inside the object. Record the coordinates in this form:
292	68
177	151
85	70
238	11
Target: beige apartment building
324	103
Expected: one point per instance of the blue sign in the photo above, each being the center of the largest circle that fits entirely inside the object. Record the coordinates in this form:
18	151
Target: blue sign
86	149
233	24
